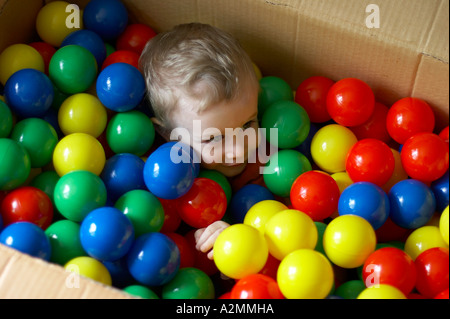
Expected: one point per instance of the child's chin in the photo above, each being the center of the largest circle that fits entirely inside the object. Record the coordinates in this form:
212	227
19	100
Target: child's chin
226	170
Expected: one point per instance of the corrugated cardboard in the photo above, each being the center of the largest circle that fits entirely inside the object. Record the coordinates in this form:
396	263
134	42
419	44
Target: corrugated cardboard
407	55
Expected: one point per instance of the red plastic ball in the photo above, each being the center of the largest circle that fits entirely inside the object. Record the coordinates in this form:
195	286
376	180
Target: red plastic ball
171	218
370	160
350	102
135	37
432	271
202	261
203	204
46	51
409	116
391	266
271	267
311	94
256	286
442	295
187	257
316	194
122	56
375	126
425	157
28	204
444	134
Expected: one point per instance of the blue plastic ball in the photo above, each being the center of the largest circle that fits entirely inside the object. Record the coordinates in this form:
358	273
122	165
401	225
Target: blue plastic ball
305	147
106	234
366	200
412	204
27	238
118	269
89	40
440	188
154	259
169	171
245	198
29	93
193	156
120	87
107	18
122	173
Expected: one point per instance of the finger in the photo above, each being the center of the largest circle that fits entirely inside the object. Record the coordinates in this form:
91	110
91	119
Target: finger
211	255
209	241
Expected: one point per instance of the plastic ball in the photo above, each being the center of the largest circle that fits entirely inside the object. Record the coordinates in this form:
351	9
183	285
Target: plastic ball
316	194
143	209
260	213
187	254
240	250
391	266
27	204
169	172
412	204
6	120
46	51
370	160
305	274
78	151
422	239
120	87
204	203
440	188
171	218
29	93
348	240
27	238
432	271
64	237
106	234
141	292
108	18
73	69
189	283
330	145
82	113
154	259
383	291
256	286
219	178
350	289
290	230
135	37
375	126
290	120
245	198
366	200
118	270
425	157
444	224
350	102
442	295
444	134
130	132
123	173
18	57
311	94
38	138
305	147
15	164
201	260
283	168
407	117
88	40
273	89
398	174
77	193
88	267
123	56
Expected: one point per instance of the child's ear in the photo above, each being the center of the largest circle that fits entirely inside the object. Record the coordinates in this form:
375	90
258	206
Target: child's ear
160	128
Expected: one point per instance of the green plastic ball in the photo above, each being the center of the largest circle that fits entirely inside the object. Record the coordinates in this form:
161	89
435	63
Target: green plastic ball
273	89
220	179
14	164
143	209
283	169
130	132
38	137
189	283
65	241
73	69
46	182
292	122
320	230
350	289
141	291
78	193
6	120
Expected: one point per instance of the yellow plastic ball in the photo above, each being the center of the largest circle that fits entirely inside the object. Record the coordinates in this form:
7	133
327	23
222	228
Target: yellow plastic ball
330	145
240	250
342	180
78	151
399	173
443	225
90	268
56	20
424	238
257	72
82	113
382	291
258	215
290	230
18	57
305	274
348	240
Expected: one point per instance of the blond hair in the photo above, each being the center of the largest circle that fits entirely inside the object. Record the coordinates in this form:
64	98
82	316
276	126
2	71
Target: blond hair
195	60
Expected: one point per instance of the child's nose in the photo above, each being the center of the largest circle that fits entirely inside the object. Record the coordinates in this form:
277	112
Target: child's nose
236	151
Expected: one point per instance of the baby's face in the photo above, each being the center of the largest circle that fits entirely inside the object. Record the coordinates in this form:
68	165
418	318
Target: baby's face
225	134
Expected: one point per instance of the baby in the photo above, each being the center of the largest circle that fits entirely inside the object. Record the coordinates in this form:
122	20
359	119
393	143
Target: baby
199	74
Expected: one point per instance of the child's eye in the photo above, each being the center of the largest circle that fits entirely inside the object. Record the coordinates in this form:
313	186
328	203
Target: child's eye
249	124
215	139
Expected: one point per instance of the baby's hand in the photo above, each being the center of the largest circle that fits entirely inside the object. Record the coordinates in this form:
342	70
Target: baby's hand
206	237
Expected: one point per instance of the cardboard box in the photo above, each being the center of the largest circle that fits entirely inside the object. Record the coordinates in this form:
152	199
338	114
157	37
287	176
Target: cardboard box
407	54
